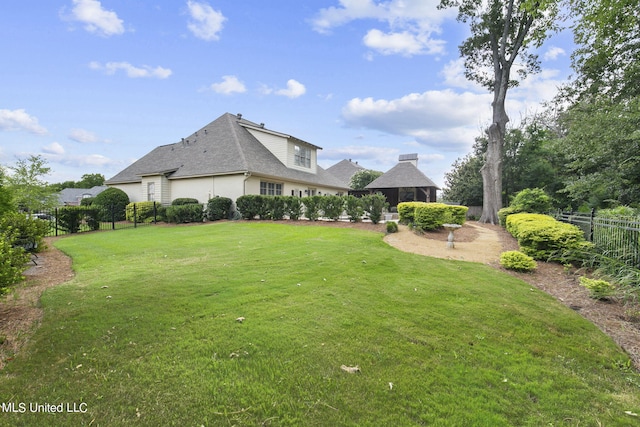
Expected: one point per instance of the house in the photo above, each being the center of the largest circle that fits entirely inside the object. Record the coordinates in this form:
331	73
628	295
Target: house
344	170
405	183
229	157
73	196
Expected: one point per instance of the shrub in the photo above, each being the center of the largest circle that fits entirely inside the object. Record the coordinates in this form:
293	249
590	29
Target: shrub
332	206
374	204
598	289
544	238
407	210
353	208
275	207
181	214
180	201
312	207
145	212
516	260
71	218
111	198
219	208
293	207
529	200
12	260
251	206
27	229
392	227
429	216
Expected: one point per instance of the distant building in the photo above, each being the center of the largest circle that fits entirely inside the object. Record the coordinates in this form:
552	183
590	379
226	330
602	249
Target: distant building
405	183
344	170
74	196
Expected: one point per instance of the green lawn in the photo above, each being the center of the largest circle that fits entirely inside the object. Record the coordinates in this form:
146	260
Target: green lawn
146	334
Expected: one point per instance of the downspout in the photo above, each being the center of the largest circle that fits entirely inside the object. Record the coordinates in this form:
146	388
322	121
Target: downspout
247	175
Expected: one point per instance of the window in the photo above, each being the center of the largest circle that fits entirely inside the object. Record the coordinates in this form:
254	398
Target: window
270	189
302	156
151	191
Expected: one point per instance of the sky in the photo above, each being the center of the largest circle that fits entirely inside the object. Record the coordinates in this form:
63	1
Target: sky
93	85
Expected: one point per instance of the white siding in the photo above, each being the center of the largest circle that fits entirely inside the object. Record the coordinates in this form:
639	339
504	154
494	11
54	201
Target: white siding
274	143
132	190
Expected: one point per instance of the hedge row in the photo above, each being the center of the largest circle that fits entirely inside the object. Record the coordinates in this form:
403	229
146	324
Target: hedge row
544	238
312	207
431	216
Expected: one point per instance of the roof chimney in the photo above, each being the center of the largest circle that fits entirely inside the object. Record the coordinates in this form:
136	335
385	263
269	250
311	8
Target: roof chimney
409	158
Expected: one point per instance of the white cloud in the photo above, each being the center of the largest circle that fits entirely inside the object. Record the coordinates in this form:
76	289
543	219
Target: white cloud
229	85
410	24
294	89
134	72
20	120
553	53
442	119
53	148
206	22
83	136
96	19
403	43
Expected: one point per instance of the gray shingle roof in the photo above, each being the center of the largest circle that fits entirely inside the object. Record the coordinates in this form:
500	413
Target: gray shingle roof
344	170
223	146
404	174
74	195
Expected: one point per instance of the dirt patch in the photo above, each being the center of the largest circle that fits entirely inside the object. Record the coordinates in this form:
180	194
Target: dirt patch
20	313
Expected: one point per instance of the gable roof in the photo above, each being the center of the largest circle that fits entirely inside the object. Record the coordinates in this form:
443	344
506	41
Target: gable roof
222	147
344	170
75	195
404	174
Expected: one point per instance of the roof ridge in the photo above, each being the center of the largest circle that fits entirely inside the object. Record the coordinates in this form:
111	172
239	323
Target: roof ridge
233	122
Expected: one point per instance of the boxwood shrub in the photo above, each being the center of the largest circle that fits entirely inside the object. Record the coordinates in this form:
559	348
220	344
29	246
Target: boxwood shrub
332	206
293	207
431	216
145	212
181	214
251	206
13	260
184	201
374	204
544	238
312	206
219	208
517	261
71	218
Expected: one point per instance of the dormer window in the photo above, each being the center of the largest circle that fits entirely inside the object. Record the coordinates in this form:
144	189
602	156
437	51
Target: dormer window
302	156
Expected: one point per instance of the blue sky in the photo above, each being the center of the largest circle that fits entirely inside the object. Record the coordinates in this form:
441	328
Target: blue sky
93	85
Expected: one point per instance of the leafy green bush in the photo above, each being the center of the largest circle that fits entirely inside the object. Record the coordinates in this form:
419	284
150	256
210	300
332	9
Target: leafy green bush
219	208
13	260
293	207
392	227
112	201
312	207
276	207
598	289
518	261
544	238
353	207
406	211
28	229
145	212
251	206
180	201
332	206
181	214
529	200
72	218
374	204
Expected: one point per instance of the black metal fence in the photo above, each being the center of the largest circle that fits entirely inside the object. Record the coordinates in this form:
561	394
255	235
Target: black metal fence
615	237
77	219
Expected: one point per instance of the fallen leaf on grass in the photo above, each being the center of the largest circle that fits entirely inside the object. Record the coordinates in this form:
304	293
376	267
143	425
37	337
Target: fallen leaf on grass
351	369
240	319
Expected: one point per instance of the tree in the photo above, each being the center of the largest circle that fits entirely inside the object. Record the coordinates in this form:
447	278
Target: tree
90	180
464	182
26	183
607	59
362	178
6	199
501	32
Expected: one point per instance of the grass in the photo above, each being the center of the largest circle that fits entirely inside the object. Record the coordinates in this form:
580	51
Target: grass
146	333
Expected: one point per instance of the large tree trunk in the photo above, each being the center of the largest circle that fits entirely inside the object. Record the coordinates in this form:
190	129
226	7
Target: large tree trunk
492	176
